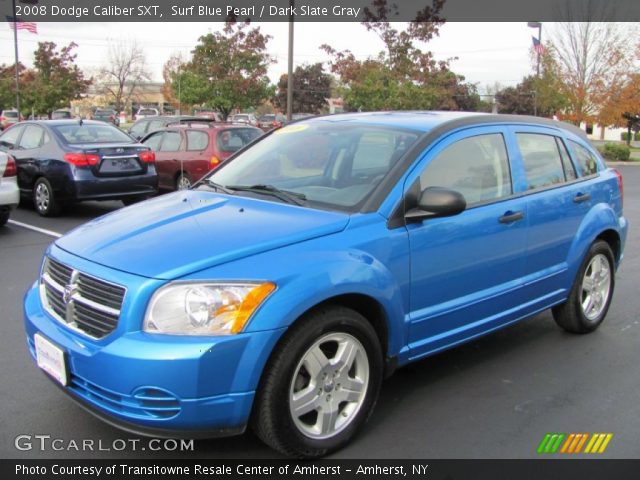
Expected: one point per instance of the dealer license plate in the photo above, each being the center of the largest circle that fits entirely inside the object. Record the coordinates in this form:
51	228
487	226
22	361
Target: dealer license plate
51	359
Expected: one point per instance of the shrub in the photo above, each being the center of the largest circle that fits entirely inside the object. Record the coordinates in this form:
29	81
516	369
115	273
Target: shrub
625	135
616	152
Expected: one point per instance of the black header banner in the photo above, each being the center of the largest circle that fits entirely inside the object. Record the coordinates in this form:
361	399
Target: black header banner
316	10
117	469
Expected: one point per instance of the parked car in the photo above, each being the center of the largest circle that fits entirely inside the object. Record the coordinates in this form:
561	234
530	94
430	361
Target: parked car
146	112
281	289
61	114
145	126
8	118
9	192
108	115
64	161
271	120
209	114
246	118
185	153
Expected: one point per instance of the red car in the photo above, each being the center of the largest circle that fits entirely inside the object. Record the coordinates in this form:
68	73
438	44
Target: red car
186	152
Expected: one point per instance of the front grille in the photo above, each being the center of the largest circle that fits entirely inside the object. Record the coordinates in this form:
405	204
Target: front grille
79	300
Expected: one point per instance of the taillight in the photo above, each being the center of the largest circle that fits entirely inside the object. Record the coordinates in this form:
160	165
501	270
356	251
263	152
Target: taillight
214	162
82	159
147	156
11	170
620	184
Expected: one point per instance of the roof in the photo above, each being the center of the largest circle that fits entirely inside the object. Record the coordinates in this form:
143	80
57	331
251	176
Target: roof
65	121
431	120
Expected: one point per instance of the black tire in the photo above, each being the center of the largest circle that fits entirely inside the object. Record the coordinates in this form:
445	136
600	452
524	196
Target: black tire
272	419
44	200
571	315
183	181
4	217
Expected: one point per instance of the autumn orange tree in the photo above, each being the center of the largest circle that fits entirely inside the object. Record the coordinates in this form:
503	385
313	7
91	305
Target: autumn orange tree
594	62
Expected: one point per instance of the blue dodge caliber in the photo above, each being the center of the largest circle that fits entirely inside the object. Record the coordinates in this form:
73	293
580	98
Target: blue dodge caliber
281	289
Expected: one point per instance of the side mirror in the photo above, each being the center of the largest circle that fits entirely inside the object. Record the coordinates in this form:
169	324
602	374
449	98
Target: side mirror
437	202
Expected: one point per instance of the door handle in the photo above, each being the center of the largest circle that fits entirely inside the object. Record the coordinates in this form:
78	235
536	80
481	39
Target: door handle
582	197
511	217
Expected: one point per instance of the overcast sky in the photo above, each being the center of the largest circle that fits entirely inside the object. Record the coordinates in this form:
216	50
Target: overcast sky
487	52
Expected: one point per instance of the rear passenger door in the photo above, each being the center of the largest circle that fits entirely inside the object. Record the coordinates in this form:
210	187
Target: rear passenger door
557	201
466	270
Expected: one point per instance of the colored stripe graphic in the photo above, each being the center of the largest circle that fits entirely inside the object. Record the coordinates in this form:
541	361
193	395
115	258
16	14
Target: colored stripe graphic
550	443
573	443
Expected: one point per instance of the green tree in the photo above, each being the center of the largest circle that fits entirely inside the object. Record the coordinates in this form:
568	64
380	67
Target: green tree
56	79
403	75
228	70
311	86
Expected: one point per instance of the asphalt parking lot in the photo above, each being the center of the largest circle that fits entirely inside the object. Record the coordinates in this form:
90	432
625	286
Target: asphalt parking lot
493	398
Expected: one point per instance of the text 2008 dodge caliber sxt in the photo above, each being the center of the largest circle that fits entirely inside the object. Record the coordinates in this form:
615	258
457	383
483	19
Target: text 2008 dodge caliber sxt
281	288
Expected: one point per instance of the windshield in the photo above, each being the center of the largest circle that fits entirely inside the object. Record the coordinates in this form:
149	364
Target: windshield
329	164
10	114
147	112
89	133
105	112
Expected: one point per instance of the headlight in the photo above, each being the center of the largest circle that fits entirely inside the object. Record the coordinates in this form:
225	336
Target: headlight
204	308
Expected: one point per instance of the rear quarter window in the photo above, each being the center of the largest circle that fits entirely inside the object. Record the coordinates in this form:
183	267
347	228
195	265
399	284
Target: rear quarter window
587	160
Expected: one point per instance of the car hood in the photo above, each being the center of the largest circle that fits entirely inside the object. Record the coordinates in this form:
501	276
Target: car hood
183	232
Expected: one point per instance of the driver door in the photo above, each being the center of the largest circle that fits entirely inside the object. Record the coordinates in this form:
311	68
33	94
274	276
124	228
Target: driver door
466	270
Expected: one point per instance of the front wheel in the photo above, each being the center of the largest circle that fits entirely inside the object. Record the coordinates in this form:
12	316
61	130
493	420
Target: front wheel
320	385
591	293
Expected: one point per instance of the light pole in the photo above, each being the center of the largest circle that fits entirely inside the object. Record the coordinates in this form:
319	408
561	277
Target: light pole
290	66
538	49
537	25
15	44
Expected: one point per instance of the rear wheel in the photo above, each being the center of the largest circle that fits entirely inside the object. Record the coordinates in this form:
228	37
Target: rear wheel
44	199
320	385
183	182
591	293
4	217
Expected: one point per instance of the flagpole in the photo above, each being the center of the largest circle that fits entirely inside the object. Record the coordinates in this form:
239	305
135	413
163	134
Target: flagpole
15	43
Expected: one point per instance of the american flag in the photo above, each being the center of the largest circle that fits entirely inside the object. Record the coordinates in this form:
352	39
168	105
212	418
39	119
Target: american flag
20	25
537	46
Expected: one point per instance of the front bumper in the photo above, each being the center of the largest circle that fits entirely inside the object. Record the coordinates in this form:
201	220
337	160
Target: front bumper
158	385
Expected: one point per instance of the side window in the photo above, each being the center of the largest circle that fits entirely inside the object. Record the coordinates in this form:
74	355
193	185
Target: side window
155	125
197	140
9	138
138	129
567	165
585	158
153	142
477	167
541	159
171	142
32	137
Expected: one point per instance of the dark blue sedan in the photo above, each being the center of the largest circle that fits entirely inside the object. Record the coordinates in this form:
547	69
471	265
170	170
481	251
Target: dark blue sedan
66	161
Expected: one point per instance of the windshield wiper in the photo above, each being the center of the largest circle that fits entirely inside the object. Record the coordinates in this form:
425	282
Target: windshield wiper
284	195
218	187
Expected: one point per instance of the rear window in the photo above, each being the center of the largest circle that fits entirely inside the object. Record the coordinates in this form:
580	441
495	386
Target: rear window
61	114
10	114
234	139
105	112
89	133
147	111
